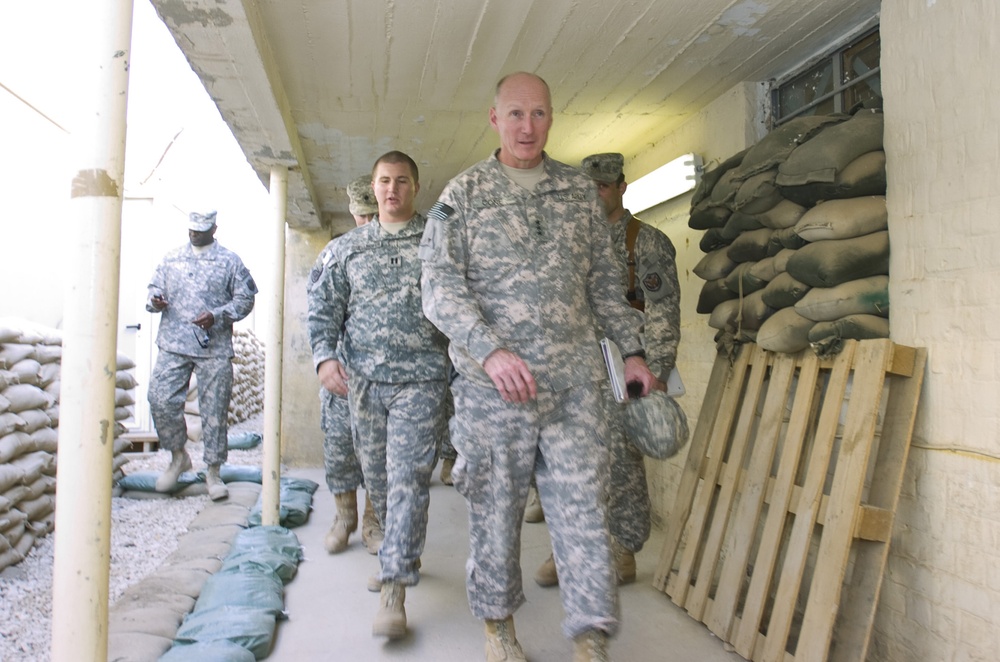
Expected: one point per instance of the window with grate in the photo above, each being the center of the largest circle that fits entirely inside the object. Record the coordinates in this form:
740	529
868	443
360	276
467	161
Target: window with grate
838	83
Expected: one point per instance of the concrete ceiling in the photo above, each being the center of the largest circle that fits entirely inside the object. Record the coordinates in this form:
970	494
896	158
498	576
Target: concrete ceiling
326	86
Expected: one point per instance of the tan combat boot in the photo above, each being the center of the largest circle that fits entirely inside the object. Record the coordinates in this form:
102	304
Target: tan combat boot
390	621
447	464
546	575
501	642
345	522
591	646
624	561
533	510
179	463
371	530
217	489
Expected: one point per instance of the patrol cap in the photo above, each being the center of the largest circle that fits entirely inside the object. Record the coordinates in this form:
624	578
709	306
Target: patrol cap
656	424
606	167
201	222
362	196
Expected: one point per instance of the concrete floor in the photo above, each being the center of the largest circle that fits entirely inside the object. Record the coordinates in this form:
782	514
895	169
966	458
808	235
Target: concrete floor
330	611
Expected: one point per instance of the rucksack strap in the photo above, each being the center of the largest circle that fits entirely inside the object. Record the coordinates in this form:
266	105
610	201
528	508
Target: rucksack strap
631	232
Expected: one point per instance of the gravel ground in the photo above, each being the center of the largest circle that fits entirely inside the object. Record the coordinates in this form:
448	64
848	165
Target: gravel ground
143	533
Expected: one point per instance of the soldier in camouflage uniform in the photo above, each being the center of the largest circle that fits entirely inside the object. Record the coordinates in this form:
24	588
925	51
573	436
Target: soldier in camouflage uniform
650	283
343	470
394	370
201	289
518	273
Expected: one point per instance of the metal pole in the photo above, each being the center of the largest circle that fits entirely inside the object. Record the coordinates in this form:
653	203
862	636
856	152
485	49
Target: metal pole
270	498
89	357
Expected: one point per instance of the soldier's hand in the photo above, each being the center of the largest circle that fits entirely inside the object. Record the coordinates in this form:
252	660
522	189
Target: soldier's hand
333	376
205	320
637	372
511	376
158	302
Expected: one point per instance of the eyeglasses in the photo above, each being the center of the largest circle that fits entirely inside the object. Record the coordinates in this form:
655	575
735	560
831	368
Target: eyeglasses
202	336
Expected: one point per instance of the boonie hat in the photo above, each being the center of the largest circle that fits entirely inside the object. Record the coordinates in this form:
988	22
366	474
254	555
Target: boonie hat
606	167
656	424
201	222
362	196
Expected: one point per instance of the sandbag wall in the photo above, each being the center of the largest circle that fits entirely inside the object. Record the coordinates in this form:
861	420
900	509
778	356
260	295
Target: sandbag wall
247	399
30	364
796	237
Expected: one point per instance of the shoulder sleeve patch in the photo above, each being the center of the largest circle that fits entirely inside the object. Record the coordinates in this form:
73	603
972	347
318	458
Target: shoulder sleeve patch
440	212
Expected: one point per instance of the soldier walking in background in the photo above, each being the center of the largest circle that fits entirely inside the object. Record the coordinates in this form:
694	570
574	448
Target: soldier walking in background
648	263
200	289
340	461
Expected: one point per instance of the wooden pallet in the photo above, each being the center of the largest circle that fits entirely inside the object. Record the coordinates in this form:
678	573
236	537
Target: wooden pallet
779	535
141	442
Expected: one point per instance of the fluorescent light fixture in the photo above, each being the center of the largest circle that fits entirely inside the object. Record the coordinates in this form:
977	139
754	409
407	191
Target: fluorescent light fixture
666	182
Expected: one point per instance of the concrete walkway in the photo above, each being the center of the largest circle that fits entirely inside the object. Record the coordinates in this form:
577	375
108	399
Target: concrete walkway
330	611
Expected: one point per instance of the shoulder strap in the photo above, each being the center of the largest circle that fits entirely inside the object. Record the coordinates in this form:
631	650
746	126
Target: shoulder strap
631	232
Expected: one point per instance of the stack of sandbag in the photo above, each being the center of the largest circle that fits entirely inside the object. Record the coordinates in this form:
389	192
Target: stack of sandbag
796	237
247	399
30	371
248	377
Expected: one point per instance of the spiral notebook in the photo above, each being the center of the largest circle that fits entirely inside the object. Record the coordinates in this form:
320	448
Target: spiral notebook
616	373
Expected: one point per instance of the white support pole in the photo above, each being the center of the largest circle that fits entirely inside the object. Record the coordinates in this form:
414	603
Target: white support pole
89	363
270	497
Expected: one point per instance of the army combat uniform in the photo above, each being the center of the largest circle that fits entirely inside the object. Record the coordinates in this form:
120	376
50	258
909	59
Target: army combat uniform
367	282
656	286
213	280
533	273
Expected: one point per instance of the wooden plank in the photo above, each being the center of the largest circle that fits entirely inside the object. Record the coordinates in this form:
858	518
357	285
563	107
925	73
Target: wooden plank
700	510
874	524
852	633
753	485
728	483
680	508
871	362
781	495
804	525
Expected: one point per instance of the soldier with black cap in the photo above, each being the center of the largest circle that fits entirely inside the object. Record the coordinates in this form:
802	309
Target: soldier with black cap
200	289
651	286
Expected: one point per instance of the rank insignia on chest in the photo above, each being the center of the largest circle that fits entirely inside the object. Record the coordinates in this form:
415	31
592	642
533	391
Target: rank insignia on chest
652	282
395	261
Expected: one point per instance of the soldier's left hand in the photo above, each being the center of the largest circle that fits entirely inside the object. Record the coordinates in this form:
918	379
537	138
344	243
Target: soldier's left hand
637	372
205	320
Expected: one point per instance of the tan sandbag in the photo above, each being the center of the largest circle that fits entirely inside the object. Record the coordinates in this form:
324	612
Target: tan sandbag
53	413
10	476
836	261
124	362
38	508
12	353
750	246
27	371
783	291
774	148
827	337
785	214
742	281
34	419
137	646
706	216
26	396
753	312
711	177
123	413
712	239
6	379
781	259
49	373
715	265
724	192
867	296
158	621
785	331
864	175
765	269
820	159
9	422
757	194
125	379
844	219
35	464
724	314
48	353
712	294
785	238
123	397
45	439
15	445
739	223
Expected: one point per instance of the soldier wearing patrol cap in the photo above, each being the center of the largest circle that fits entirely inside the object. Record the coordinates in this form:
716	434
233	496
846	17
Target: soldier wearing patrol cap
650	282
363	205
200	289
